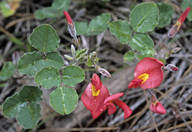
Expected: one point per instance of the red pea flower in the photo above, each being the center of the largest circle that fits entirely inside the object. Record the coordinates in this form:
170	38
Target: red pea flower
113	99
156	106
148	74
94	96
178	24
71	26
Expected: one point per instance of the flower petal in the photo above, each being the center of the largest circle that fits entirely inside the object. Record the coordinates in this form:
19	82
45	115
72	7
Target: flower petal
96	81
154	80
126	109
147	65
153	67
111	108
135	83
157	108
113	97
95	104
68	17
184	15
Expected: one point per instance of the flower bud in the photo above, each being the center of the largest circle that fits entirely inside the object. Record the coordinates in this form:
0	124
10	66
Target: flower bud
103	71
15	57
71	25
73	51
178	24
171	68
156	106
175	50
68	57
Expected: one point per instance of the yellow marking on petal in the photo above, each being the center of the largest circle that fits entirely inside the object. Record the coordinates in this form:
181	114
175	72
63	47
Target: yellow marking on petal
94	92
155	103
143	77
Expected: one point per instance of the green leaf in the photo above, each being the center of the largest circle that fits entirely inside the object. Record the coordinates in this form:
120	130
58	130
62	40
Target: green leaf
141	41
121	30
23	105
48	78
89	62
30	94
6	9
54	59
68	57
9	7
44	38
184	5
81	28
61	4
165	14
47	12
81	53
73	75
7	71
99	24
63	100
147	52
29	115
55	10
12	105
31	63
129	56
144	17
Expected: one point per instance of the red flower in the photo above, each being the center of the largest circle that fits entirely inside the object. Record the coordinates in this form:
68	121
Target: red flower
71	26
96	99
156	106
113	99
148	74
94	96
179	22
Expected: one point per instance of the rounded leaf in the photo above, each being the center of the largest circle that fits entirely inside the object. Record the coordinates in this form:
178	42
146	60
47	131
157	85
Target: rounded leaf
144	17
129	56
140	41
47	12
48	77
29	115
7	71
44	38
121	30
73	75
81	27
165	14
31	63
24	106
63	100
146	52
98	24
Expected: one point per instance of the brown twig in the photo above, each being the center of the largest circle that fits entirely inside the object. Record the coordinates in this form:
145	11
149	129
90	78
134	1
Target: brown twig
174	127
19	20
78	129
188	70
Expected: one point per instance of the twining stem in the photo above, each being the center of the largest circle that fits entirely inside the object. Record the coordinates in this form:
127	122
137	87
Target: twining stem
163	44
149	91
77	42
